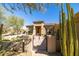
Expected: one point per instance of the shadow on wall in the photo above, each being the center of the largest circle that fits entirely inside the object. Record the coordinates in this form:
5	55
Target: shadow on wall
42	47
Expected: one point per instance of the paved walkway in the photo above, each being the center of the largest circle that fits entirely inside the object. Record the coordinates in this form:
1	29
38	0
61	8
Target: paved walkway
31	54
25	54
41	53
38	54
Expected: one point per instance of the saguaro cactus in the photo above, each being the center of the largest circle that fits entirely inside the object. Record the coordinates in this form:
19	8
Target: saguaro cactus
71	49
60	30
74	33
64	34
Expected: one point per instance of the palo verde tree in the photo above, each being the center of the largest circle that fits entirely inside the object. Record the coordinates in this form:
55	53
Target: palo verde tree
15	22
24	6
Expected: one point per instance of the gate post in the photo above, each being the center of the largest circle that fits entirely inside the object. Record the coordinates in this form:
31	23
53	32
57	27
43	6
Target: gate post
51	44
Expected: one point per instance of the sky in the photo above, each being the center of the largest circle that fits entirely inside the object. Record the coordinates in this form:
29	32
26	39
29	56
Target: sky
51	15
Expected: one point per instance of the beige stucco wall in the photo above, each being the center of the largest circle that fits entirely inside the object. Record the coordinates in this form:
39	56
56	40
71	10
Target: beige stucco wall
29	47
51	44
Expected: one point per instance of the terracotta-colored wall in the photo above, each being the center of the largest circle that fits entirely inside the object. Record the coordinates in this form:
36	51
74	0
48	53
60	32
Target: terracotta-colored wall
51	44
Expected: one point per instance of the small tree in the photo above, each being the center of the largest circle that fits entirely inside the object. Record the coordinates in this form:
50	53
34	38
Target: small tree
15	22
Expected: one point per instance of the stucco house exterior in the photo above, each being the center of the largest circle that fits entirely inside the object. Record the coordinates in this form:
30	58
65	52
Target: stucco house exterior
39	27
39	30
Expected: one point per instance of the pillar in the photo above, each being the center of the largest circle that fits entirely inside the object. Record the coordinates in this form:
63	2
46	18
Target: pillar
51	44
34	30
43	31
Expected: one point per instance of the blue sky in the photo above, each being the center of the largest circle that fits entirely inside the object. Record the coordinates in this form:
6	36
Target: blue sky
51	15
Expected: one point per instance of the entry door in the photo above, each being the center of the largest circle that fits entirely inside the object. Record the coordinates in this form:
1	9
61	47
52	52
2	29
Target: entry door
38	30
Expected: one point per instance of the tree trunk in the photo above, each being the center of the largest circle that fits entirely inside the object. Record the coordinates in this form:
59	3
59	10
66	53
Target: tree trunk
23	46
1	28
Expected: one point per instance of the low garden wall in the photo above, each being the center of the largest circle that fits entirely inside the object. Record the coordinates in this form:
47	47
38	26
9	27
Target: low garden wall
16	46
11	46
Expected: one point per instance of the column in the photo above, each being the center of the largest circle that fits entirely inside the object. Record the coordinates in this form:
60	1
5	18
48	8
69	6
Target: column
51	44
43	30
34	30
